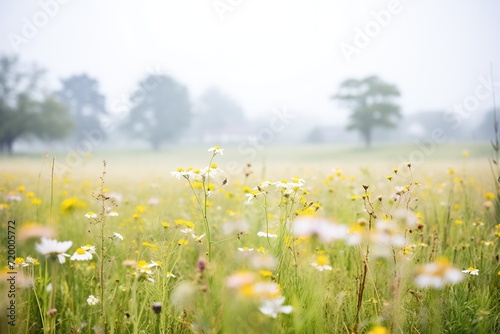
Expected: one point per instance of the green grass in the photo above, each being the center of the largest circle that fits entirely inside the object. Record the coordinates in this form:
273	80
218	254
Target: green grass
447	191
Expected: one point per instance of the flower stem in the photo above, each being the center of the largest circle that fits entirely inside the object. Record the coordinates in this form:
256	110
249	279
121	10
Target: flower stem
102	197
203	209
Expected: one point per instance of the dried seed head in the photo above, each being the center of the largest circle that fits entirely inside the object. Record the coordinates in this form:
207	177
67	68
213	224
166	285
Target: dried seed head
201	265
156	307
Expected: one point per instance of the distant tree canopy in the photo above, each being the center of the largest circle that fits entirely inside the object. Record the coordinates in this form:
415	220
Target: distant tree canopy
161	110
86	103
371	103
218	111
25	111
485	130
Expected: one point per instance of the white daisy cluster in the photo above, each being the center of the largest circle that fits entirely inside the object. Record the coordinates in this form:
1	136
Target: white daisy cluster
287	187
20	262
197	174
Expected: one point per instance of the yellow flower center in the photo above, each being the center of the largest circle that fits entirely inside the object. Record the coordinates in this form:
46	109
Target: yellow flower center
266	273
322	260
81	251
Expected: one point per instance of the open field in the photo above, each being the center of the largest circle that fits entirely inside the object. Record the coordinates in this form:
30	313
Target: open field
340	240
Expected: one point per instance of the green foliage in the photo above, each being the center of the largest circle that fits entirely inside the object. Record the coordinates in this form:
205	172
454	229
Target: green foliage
86	104
371	103
218	112
160	112
24	110
53	121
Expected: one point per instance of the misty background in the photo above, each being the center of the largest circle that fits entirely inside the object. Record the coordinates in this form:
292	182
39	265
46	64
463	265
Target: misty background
124	74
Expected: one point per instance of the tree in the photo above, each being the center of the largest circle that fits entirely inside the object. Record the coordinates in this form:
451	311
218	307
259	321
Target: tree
371	104
218	111
25	111
54	121
485	130
86	103
160	111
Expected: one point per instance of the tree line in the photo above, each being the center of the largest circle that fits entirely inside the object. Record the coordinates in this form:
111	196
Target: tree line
159	110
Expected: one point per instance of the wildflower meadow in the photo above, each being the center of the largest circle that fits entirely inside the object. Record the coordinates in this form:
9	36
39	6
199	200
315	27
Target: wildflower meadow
299	240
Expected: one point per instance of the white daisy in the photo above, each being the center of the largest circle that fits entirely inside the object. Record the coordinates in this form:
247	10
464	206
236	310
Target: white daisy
186	230
321	263
263	185
250	197
180	172
53	247
471	271
83	253
118	235
216	149
92	300
211	170
269	235
272	307
198	237
90	214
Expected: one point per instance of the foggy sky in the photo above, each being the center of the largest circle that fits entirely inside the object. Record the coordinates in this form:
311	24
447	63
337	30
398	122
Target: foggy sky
264	54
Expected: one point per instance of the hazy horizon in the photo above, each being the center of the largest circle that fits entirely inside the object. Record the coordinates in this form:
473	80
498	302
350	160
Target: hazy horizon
264	55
